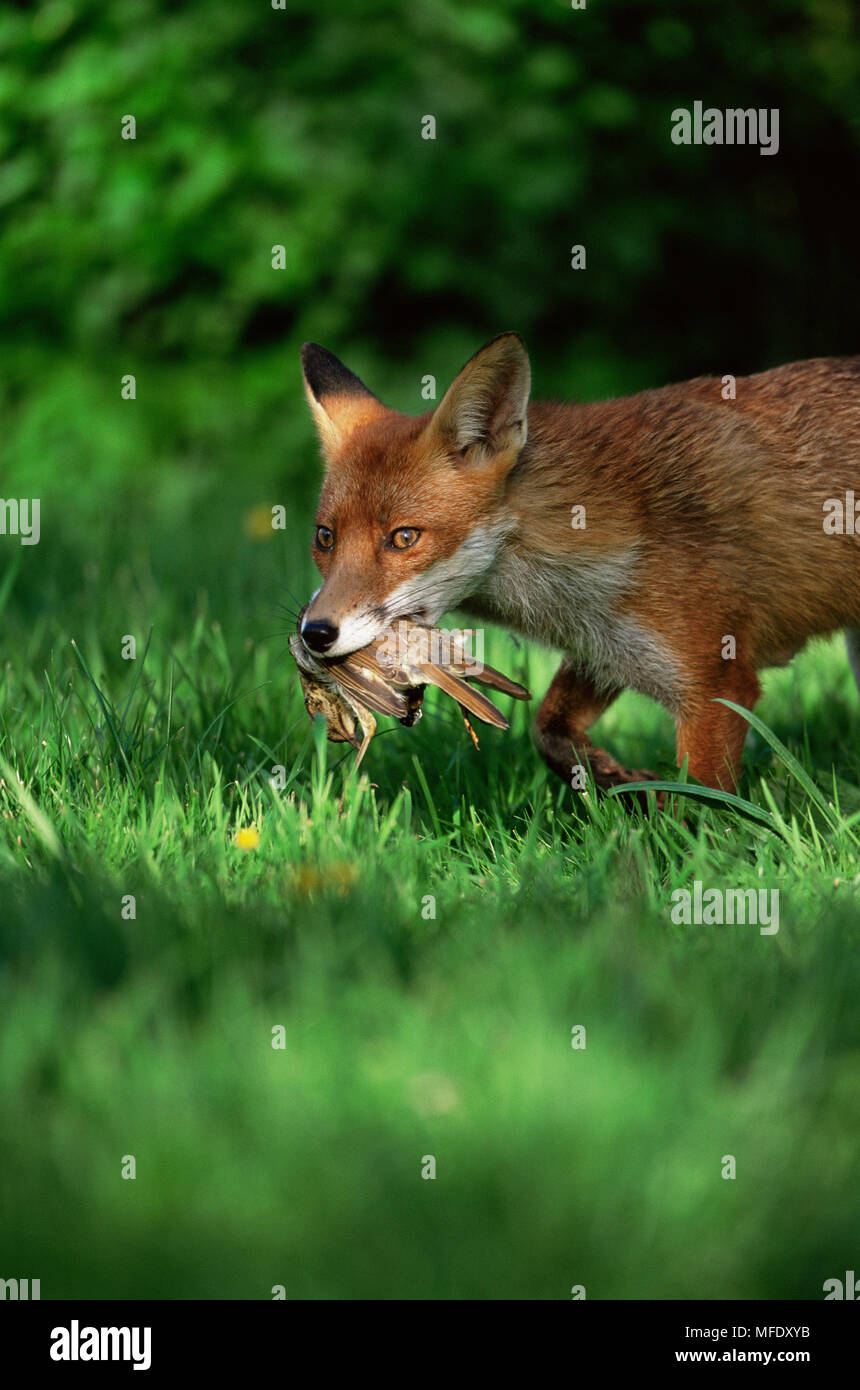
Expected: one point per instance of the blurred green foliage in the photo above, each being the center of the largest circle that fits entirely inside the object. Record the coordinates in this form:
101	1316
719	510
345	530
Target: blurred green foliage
302	127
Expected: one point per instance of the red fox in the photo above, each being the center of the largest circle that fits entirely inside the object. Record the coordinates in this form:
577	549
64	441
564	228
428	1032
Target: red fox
672	542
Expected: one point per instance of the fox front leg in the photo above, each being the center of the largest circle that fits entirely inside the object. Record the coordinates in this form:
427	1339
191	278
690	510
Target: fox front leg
571	705
711	736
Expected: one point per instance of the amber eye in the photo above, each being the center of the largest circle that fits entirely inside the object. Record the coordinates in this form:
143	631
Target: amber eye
405	536
325	538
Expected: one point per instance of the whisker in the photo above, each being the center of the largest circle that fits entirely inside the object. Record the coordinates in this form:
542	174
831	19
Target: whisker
293	597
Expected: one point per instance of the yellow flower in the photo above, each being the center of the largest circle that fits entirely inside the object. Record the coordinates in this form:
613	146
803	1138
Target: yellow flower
257	524
339	876
248	837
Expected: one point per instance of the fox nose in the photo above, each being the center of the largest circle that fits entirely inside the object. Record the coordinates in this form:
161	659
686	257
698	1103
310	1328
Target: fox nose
319	636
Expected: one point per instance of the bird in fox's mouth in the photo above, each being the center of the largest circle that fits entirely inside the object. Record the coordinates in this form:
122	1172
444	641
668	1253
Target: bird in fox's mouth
390	675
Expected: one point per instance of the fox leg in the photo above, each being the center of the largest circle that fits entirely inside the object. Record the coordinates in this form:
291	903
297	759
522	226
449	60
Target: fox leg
711	736
571	705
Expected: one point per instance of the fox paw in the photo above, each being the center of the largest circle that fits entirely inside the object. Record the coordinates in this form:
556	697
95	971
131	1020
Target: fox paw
641	798
615	776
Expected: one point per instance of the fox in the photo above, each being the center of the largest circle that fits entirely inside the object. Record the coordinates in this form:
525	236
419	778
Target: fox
675	542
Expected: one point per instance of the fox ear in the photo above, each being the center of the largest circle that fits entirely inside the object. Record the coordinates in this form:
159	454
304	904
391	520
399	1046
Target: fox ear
483	413
339	401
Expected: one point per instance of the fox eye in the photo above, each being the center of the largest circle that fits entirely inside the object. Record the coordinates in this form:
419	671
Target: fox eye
404	536
324	538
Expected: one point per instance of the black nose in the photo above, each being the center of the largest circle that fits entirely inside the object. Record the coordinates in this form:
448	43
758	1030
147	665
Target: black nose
319	636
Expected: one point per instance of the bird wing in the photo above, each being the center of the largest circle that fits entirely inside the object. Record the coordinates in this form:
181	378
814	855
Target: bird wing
490	676
359	680
472	700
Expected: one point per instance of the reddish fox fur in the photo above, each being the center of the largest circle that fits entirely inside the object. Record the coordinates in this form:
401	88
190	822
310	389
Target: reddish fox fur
704	520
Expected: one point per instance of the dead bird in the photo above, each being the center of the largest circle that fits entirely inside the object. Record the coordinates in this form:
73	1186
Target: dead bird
390	675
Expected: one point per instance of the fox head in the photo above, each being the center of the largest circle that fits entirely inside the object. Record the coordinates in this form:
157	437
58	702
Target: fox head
412	510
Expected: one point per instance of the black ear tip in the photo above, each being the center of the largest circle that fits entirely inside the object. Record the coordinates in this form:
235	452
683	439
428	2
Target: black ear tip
326	375
312	352
320	367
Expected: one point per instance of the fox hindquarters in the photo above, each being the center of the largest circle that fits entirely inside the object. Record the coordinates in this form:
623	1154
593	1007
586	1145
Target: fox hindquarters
673	542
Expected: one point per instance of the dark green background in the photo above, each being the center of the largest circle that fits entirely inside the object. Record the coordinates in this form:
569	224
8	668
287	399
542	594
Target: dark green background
301	127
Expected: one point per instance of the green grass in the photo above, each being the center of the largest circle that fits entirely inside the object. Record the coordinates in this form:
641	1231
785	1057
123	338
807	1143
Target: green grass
405	1034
